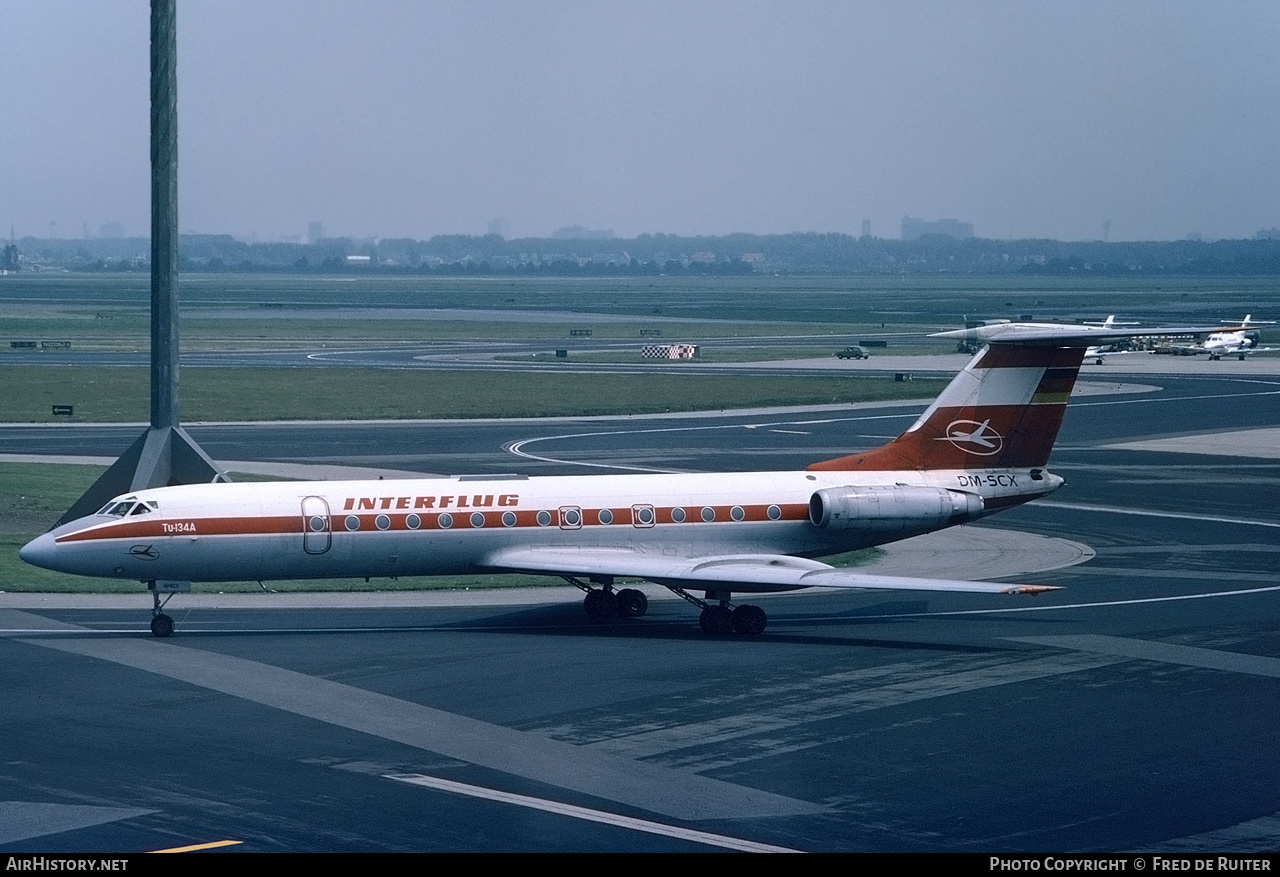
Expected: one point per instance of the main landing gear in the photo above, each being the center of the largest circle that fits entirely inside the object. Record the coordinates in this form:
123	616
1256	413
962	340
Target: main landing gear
604	602
744	620
718	616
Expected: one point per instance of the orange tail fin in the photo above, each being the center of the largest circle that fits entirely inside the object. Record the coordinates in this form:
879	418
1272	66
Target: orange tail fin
1002	411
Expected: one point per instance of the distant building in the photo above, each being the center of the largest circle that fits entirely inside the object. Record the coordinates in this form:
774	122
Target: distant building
111	230
577	232
315	231
914	229
498	226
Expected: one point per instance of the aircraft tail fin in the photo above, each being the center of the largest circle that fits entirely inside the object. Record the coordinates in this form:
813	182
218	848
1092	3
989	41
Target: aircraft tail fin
1002	411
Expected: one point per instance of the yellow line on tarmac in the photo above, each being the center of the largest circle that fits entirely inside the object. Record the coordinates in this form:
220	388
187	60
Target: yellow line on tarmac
208	846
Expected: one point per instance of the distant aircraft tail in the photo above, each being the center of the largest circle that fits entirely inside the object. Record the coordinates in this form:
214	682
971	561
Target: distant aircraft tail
1002	411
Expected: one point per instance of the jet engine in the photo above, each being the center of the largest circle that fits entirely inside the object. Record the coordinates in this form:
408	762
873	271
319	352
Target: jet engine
889	509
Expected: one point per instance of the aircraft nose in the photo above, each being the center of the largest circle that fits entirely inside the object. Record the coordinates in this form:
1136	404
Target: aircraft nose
40	551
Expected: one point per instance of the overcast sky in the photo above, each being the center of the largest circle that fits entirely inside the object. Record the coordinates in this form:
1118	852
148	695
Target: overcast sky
408	118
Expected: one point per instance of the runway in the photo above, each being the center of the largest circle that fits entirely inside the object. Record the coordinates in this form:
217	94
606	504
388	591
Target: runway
1134	710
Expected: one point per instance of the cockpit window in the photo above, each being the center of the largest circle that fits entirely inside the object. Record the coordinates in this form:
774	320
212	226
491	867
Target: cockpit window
119	508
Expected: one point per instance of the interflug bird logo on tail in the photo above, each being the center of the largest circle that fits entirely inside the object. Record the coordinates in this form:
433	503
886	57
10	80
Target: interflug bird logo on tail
973	437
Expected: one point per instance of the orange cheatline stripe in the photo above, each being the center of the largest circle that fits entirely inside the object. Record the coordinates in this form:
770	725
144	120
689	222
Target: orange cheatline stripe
289	525
194	847
154	529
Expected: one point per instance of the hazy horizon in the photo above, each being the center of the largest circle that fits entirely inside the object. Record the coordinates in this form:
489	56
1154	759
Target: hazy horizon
406	119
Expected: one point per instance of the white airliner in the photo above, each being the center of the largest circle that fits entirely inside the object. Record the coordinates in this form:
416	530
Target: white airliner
1098	351
981	447
1233	341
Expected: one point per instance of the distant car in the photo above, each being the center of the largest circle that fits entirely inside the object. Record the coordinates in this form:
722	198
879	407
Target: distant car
852	353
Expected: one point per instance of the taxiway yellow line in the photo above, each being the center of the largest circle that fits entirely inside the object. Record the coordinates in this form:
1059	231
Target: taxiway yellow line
194	847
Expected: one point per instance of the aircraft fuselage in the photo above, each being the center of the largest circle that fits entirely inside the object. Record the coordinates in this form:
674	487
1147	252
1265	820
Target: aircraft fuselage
265	531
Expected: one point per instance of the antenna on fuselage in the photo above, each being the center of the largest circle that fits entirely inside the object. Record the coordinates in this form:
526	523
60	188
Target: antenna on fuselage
164	454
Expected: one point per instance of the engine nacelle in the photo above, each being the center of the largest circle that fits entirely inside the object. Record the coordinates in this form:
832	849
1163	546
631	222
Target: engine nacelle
890	509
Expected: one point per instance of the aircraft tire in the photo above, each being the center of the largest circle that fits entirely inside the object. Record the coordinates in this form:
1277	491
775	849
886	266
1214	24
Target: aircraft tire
632	603
161	625
600	605
716	621
749	620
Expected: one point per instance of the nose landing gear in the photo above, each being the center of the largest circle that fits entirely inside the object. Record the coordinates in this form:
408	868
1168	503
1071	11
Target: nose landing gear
161	624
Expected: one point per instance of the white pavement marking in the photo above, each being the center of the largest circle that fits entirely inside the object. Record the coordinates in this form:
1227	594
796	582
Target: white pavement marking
1245	592
1165	653
678	794
517	448
1144	513
1260	835
543	804
1196	398
790	716
1259	443
23	820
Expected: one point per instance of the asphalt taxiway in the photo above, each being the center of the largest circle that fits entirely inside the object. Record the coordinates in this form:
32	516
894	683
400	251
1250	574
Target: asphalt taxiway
1133	710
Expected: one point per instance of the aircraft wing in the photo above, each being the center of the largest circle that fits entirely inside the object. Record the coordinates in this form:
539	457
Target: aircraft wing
743	572
1064	334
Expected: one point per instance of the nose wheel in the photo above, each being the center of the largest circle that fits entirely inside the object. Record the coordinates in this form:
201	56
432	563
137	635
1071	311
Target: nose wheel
161	625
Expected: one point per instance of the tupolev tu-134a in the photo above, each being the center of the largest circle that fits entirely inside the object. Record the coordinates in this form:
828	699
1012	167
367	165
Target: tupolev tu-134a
981	447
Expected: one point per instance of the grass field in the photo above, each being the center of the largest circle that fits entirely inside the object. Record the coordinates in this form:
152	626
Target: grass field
129	331
278	311
114	395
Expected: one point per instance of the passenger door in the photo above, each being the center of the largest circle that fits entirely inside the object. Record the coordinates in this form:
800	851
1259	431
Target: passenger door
317	529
